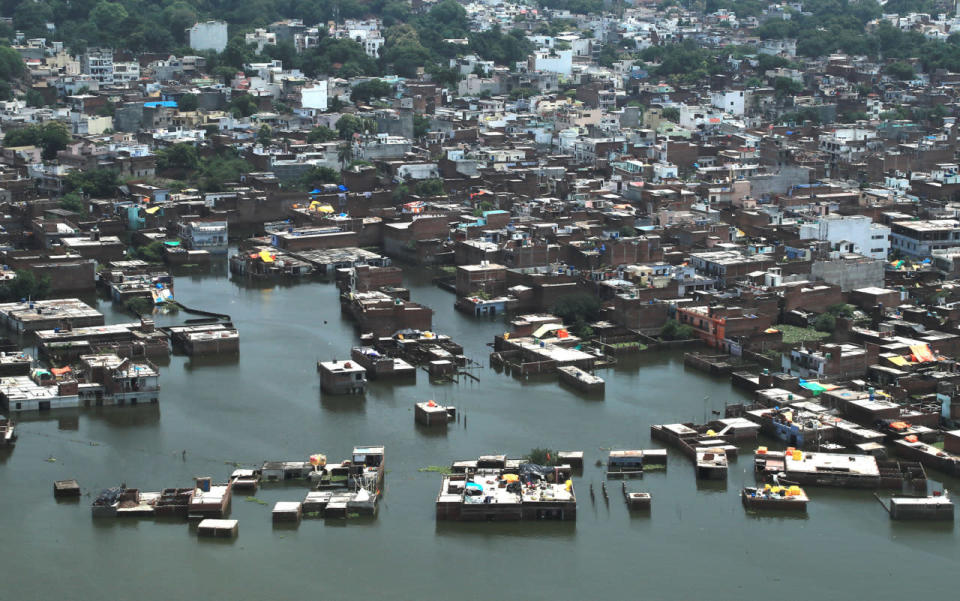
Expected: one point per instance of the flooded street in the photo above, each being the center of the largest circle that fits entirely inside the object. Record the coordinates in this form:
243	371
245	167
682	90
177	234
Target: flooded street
266	405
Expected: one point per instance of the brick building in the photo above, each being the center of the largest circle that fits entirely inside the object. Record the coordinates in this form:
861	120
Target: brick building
489	278
714	325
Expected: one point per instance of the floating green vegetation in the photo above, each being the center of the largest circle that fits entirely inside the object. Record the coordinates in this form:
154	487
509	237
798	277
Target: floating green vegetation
255	500
625	345
436	469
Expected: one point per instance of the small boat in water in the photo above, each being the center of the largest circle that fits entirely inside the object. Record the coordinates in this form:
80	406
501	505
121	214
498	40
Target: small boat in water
781	498
8	432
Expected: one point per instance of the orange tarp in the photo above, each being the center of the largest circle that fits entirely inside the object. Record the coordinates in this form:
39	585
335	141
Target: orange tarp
922	353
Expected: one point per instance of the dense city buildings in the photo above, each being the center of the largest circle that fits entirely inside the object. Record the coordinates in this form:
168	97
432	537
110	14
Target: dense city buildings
498	197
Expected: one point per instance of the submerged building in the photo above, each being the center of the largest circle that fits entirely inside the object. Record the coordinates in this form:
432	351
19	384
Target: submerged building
494	488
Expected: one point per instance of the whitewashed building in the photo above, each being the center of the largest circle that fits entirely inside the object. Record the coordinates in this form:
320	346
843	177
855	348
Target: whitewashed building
210	35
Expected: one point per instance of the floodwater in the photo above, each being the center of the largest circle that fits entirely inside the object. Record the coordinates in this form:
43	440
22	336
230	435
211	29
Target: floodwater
266	405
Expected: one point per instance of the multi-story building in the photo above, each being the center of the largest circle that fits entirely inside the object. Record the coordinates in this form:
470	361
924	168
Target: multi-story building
868	239
716	325
261	38
371	41
731	101
126	72
98	64
114	380
554	61
829	360
205	235
921	238
727	265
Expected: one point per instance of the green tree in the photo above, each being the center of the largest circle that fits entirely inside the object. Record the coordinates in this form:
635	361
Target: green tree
342	57
51	136
429	187
685	61
674	330
522	92
396	12
401	193
446	20
215	172
841	310
24	285
264	135
178	17
373	89
348	125
178	156
344	153
501	48
108	18
407	57
786	86
671	113
900	70
237	53
771	61
825	322
188	102
35	99
151	253
73	202
321	134
11	64
320	175
443	76
32	17
224	73
421	125
98	183
243	105
576	307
